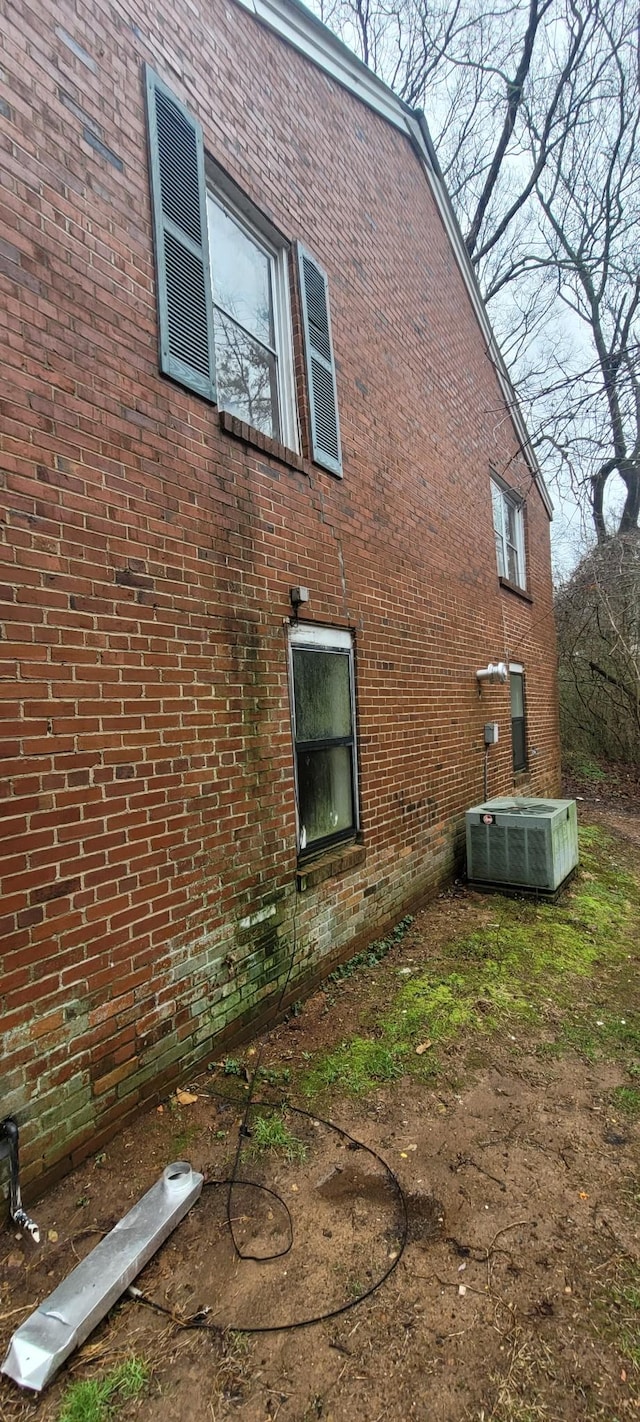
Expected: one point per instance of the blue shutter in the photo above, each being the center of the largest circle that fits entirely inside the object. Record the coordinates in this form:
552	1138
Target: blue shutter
321	370
179	202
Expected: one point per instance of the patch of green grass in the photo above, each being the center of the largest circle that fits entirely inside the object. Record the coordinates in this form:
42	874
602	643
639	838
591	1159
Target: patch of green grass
593	835
627	1099
181	1141
628	1295
355	1066
529	956
589	770
237	1345
619	1308
272	1133
97	1399
596	1033
275	1076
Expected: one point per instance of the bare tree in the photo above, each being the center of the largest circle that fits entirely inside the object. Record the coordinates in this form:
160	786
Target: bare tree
534	108
473	69
598	618
590	200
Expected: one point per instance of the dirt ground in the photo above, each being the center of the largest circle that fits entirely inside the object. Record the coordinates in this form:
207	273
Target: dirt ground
517	1296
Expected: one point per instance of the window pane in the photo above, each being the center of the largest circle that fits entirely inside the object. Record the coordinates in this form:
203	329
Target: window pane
322	694
513	517
325	793
241	274
513	565
502	569
246	378
518	742
497	501
513	514
517	694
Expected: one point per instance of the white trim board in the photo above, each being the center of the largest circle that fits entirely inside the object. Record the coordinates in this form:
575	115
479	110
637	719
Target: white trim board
297	26
314	634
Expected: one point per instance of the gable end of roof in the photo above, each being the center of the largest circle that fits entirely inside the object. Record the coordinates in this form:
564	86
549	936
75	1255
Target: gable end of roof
297	26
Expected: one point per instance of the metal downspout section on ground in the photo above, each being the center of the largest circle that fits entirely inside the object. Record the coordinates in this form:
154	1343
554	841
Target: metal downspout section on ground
60	1324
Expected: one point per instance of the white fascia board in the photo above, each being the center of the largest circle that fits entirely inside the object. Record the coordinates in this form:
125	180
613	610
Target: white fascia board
297	26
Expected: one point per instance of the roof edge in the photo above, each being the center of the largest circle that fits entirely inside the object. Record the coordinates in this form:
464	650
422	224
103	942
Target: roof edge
300	28
296	24
419	132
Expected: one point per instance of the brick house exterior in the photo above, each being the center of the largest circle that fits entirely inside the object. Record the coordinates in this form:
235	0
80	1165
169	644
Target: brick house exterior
158	869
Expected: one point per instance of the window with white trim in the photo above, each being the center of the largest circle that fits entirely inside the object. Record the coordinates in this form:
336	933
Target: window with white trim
252	323
508	527
518	719
323	716
222	290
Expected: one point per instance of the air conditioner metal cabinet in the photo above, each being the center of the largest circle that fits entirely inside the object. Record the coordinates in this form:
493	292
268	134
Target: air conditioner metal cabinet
522	843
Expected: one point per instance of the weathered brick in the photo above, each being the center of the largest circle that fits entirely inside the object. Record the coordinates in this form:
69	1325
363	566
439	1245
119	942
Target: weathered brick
151	545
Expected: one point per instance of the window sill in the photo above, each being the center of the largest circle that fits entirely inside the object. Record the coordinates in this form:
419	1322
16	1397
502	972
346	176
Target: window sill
513	588
239	430
329	865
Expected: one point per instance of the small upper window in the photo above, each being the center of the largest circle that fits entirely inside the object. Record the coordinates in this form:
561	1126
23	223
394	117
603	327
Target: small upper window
508	526
254	367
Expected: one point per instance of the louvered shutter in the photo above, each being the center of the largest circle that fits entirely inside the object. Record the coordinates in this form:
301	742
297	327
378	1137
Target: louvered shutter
321	370
179	202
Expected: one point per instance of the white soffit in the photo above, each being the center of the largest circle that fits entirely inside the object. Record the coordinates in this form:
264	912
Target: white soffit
295	24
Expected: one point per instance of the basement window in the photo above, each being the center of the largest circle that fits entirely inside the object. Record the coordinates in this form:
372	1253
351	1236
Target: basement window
518	722
508	527
323	716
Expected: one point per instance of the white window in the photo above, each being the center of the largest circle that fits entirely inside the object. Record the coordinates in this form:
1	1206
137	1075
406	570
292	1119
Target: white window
252	322
508	526
323	714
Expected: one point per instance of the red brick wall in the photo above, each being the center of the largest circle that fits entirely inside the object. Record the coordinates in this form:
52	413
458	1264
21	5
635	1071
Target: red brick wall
147	774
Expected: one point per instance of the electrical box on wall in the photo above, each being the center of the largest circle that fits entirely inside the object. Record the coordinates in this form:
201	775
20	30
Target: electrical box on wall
491	733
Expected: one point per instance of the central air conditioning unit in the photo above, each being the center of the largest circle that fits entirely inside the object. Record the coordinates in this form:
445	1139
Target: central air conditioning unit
522	843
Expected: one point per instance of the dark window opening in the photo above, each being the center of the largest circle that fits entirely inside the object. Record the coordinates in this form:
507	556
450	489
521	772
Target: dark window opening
518	726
